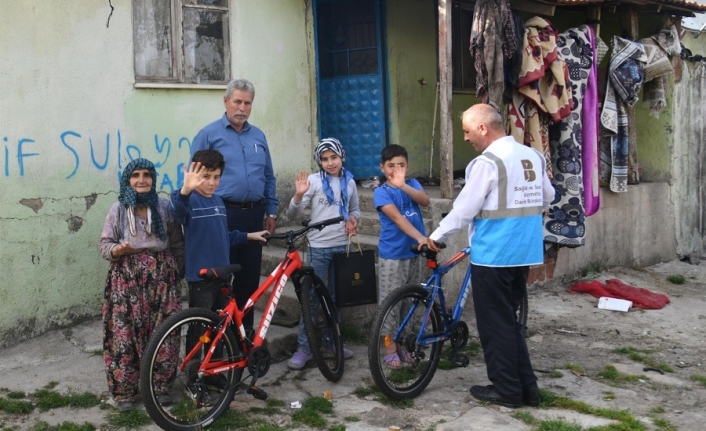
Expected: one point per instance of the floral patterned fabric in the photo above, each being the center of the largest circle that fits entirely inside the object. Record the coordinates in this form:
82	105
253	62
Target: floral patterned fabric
565	223
141	291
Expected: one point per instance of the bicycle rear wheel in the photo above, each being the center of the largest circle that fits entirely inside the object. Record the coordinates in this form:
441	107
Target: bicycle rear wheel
192	402
321	326
417	364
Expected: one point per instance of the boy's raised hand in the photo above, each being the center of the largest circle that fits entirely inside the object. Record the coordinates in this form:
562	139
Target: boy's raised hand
301	185
193	177
258	236
397	178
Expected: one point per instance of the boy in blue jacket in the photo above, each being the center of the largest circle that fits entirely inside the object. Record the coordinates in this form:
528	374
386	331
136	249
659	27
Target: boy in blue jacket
206	235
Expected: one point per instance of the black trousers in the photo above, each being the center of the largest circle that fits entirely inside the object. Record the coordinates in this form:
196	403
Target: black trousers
497	294
249	255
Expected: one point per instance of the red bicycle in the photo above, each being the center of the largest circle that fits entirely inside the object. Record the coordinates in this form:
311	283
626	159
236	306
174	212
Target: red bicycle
194	361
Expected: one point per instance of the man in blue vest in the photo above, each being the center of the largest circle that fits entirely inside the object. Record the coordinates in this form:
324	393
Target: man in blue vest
506	192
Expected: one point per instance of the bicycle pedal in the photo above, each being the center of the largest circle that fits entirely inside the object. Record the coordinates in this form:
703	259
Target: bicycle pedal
257	393
460	361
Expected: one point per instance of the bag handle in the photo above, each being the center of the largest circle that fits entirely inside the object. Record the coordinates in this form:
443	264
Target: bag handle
348	247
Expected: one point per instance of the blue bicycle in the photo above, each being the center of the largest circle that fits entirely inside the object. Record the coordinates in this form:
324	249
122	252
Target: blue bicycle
411	326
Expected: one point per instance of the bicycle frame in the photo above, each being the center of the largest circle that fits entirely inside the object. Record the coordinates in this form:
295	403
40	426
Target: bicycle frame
231	314
433	284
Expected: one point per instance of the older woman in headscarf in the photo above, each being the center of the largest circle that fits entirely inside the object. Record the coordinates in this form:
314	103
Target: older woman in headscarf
145	247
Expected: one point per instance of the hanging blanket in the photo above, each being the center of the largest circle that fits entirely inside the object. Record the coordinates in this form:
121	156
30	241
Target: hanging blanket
614	288
565	222
544	76
589	137
492	39
530	126
626	73
543	95
658	66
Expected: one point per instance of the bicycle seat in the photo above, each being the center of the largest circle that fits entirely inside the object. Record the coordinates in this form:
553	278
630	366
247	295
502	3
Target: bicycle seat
222	273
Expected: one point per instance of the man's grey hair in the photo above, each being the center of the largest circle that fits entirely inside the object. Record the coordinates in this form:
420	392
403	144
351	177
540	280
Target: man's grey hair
485	114
240	84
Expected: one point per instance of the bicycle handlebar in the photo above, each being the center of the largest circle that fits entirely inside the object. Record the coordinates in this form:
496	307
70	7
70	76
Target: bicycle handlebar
219	273
293	234
413	248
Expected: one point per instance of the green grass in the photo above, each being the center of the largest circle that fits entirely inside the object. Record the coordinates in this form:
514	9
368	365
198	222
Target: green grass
552	400
638	355
558	425
657	410
664	425
378	396
230	420
608	396
351	419
16	407
132	419
573	367
676	279
355	334
16	395
524	416
337	427
71	426
272	406
612	374
555	374
311	412
699	378
48	399
595	266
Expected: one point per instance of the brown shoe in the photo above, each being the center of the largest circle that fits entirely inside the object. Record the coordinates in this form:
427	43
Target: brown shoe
490	394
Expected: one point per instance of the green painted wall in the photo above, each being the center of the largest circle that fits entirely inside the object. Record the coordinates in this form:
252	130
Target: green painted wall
411	56
71	120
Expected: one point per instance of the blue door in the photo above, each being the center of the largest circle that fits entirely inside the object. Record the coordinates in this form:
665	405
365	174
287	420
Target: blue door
350	80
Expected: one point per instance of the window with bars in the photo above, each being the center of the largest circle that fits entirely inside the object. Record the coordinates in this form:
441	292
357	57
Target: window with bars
181	41
347	38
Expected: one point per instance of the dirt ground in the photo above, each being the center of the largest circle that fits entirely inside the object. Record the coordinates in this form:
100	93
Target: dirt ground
563	329
567	328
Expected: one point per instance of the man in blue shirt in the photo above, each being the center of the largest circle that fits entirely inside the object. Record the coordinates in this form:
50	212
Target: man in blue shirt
248	185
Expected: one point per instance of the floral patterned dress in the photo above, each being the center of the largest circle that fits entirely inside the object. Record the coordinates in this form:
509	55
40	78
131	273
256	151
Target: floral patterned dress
141	291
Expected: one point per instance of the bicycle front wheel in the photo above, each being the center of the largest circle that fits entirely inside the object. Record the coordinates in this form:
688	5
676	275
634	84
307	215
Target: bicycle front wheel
174	395
400	367
321	326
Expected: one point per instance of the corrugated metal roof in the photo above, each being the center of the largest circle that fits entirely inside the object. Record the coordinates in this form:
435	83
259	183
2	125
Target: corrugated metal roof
692	6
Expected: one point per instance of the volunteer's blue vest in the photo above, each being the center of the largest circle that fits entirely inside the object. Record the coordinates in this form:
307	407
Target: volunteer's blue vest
508	229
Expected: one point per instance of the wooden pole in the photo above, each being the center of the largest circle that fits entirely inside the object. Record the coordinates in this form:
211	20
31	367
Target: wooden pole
628	21
445	87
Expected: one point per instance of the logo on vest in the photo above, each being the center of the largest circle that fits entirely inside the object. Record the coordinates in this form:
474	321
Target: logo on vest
530	175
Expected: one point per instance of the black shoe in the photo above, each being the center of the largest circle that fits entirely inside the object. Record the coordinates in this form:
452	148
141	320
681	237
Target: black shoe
530	395
125	406
489	394
164	400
